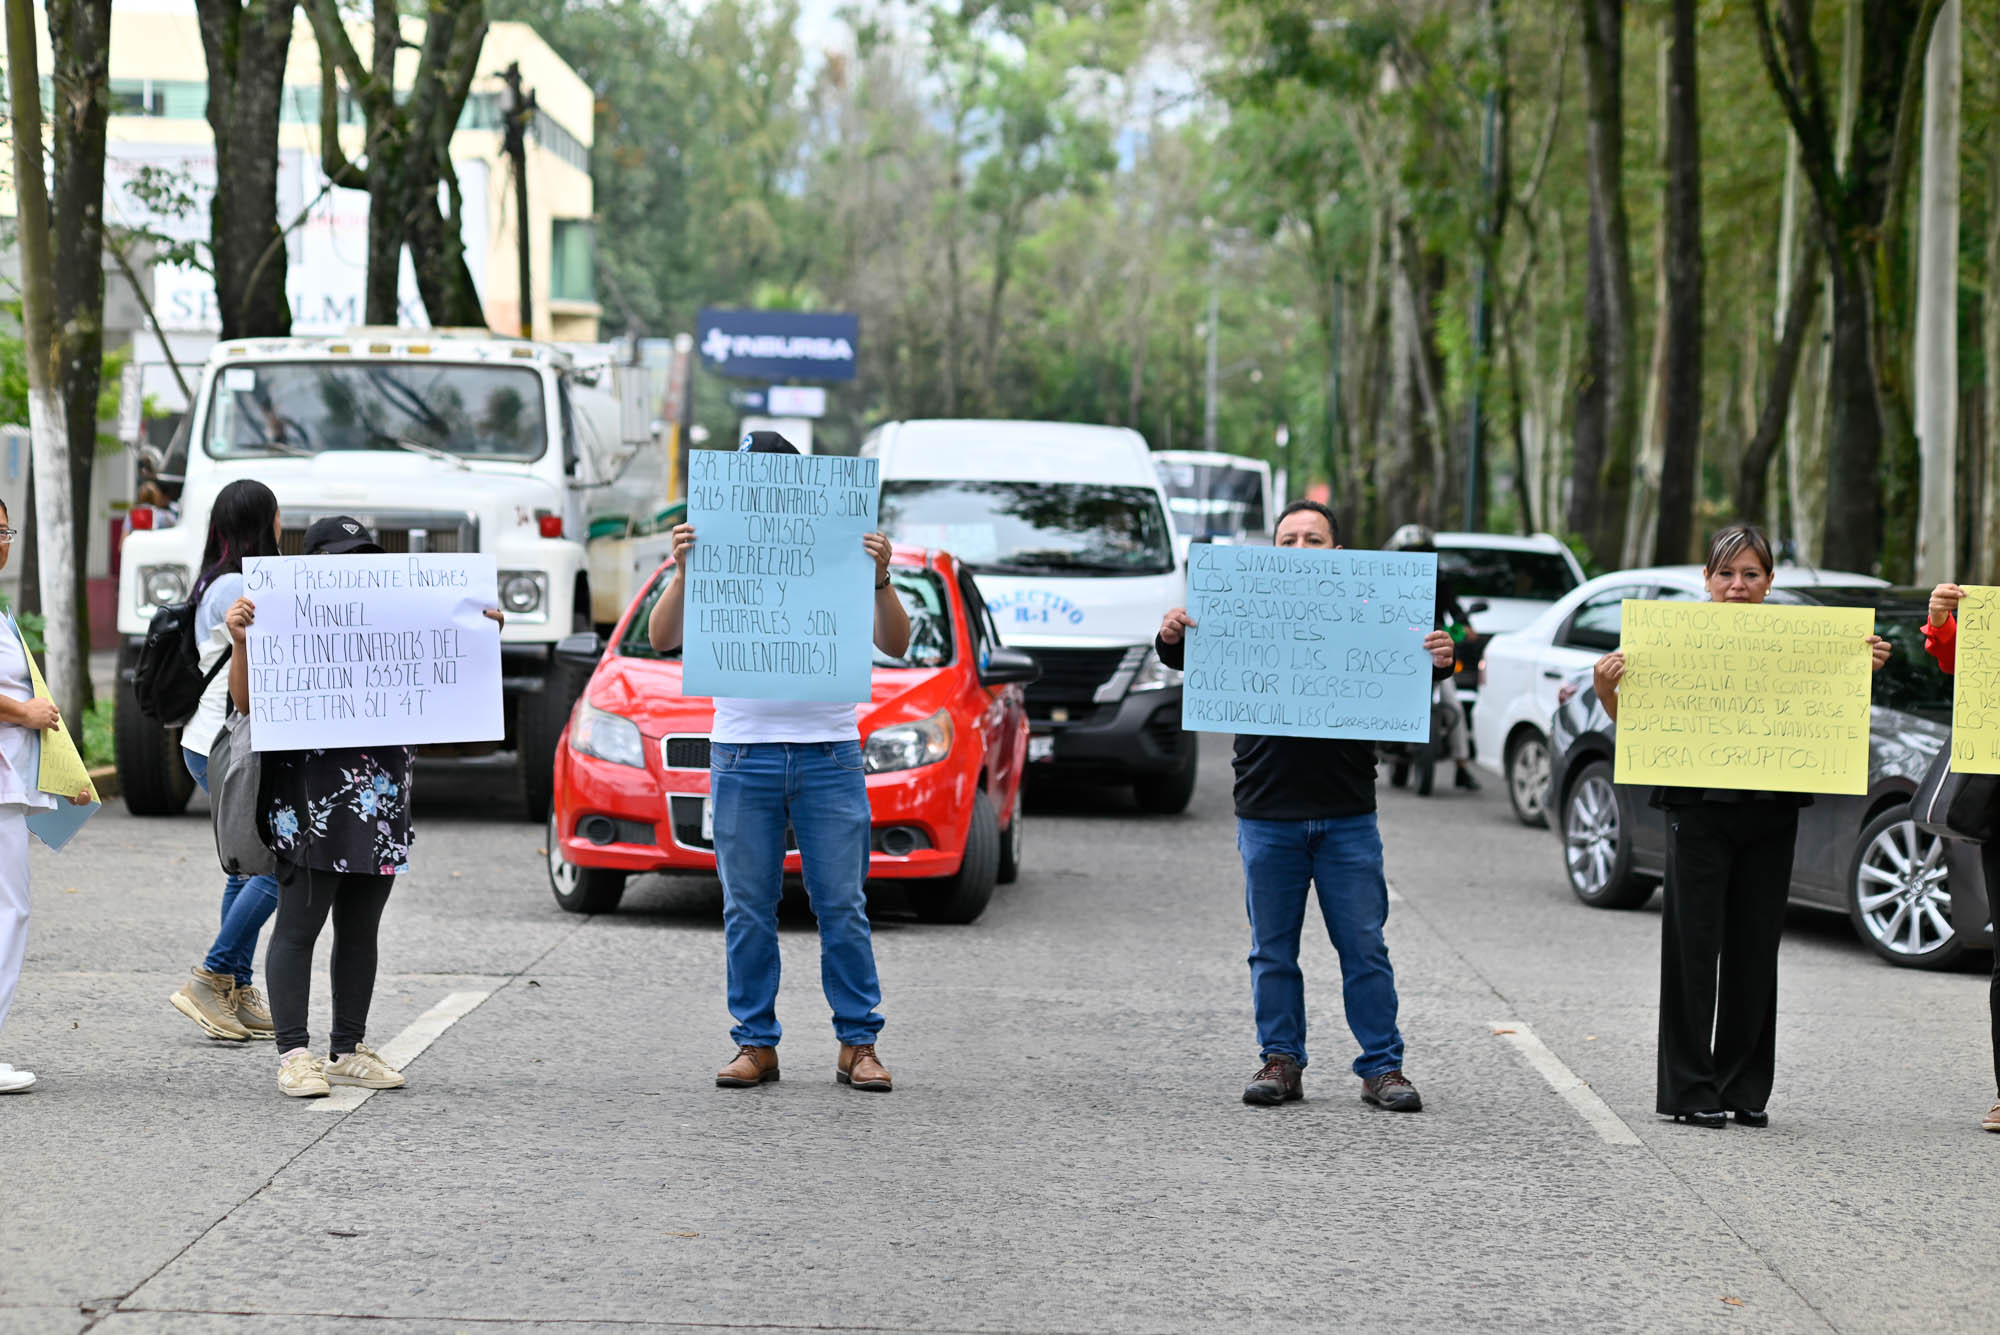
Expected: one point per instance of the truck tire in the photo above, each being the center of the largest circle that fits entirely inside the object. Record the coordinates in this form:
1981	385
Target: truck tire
962	897
1013	839
152	774
1169	794
542	719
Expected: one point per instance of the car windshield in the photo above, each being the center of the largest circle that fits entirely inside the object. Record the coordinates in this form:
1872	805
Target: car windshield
1487	572
923	598
307	408
1213	500
1033	528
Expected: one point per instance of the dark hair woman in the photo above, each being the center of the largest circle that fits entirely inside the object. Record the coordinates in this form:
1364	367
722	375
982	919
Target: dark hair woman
1729	873
220	994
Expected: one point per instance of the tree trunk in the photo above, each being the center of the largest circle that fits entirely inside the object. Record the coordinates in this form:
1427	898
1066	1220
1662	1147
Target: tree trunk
1681	378
246	42
1642	505
55	515
80	49
1802	305
1986	550
1937	306
1605	411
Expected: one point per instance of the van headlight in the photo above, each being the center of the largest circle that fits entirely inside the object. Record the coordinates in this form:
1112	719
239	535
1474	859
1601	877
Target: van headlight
908	745
524	593
1153	675
593	732
162	585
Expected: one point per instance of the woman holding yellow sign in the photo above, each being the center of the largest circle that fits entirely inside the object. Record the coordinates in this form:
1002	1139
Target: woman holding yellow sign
1729	872
1941	640
36	753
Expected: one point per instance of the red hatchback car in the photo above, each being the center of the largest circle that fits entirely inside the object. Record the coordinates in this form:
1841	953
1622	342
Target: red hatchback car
944	737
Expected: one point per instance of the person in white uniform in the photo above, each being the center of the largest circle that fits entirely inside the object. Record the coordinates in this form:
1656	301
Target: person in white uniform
780	763
23	720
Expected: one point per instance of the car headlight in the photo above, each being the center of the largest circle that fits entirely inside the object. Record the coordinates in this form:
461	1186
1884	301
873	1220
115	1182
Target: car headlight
523	593
908	745
593	732
161	585
1153	675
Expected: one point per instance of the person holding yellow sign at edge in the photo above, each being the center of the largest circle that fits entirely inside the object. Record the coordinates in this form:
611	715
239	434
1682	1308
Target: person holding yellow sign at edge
1729	873
36	752
1941	642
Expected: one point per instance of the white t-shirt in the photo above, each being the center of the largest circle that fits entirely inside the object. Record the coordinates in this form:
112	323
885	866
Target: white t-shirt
211	636
739	721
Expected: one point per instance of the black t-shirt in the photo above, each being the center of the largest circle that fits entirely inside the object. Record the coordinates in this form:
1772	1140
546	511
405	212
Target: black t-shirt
1295	778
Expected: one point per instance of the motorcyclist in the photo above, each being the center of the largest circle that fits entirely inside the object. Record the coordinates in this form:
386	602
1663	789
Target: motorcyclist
1451	617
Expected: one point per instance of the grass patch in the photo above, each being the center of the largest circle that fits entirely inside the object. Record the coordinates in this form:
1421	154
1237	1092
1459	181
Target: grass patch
96	739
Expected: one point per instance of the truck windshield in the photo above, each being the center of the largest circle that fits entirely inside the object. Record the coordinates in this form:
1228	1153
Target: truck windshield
307	408
1214	500
1033	528
1487	572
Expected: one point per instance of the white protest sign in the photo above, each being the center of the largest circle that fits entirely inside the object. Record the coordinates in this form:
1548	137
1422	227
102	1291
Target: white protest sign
366	650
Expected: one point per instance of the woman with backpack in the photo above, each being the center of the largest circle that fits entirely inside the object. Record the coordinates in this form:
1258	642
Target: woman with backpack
339	822
26	715
220	994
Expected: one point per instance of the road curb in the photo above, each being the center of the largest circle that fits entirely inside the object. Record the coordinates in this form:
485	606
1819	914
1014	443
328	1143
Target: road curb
105	777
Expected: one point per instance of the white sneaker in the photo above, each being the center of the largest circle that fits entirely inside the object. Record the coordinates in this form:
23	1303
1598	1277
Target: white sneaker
301	1076
13	1081
364	1067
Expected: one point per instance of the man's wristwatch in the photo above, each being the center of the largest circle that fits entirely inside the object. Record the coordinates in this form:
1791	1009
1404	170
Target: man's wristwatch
883	583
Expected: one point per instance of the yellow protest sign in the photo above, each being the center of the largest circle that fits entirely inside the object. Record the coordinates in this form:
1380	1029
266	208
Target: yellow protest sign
1736	695
1975	688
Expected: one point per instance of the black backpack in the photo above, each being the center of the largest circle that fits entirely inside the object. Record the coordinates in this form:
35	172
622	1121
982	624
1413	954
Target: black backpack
167	680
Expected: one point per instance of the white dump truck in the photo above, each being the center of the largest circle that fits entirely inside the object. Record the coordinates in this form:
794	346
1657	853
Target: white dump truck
439	442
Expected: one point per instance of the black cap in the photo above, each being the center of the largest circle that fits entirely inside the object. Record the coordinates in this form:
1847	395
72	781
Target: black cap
337	535
766	442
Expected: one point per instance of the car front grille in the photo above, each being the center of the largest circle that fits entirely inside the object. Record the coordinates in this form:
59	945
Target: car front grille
1076	680
394	531
684	752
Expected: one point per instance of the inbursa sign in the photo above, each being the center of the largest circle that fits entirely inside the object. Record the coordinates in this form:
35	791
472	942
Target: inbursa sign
778	345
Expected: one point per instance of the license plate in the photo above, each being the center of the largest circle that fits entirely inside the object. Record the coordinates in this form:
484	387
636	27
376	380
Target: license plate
708	820
1041	748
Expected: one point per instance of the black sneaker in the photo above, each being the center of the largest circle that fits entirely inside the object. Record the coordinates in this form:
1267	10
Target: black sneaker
1277	1082
1390	1090
1466	781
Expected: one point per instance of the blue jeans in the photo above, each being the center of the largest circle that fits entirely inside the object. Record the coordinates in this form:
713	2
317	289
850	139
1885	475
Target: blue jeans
247	904
1342	859
817	787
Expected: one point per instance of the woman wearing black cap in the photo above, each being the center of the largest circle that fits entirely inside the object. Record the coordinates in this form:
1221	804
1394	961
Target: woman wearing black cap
339	822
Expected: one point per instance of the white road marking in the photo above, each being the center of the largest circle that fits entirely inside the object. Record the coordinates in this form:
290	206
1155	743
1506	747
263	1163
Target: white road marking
405	1047
1608	1125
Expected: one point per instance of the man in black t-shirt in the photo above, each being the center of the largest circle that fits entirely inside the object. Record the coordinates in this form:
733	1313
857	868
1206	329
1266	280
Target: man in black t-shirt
1305	819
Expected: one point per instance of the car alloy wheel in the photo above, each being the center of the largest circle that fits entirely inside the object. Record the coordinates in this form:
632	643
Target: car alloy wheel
1590	835
1903	893
1528	779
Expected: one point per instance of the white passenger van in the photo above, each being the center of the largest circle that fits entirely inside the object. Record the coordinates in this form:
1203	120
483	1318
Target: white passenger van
1065	529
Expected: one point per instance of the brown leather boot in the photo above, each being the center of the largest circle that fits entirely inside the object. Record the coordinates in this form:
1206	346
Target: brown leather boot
859	1067
752	1066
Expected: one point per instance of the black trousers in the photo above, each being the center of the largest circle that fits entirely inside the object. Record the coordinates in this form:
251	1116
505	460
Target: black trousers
1729	869
1989	863
306	896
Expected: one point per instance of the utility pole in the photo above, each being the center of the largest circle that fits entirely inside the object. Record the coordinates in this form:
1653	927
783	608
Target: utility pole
517	109
1482	324
55	513
1208	408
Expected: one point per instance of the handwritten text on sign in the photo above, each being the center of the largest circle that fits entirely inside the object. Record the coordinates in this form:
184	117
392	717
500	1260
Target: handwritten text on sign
366	650
1750	696
1309	642
1975	691
780	591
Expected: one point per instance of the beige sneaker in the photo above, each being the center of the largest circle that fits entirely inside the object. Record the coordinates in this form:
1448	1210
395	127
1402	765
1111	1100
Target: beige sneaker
252	1012
1992	1122
209	1000
364	1067
302	1076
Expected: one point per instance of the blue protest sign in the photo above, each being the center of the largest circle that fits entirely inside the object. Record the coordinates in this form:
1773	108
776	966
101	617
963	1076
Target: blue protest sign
780	591
1309	642
778	345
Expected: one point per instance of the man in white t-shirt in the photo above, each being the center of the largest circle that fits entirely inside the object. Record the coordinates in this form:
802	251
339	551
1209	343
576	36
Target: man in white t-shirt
774	763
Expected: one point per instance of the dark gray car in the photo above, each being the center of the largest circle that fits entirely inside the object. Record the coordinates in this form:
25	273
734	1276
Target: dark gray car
1918	900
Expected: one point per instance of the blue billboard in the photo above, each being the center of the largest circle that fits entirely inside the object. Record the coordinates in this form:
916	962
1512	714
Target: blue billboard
778	345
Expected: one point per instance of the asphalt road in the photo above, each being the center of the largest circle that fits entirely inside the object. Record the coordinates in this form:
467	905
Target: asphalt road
1065	1150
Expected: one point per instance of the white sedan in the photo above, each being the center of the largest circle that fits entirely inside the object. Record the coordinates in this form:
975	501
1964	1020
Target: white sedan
1521	671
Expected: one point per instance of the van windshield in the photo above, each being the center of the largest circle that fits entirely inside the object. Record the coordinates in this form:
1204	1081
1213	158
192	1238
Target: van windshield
1033	528
307	408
